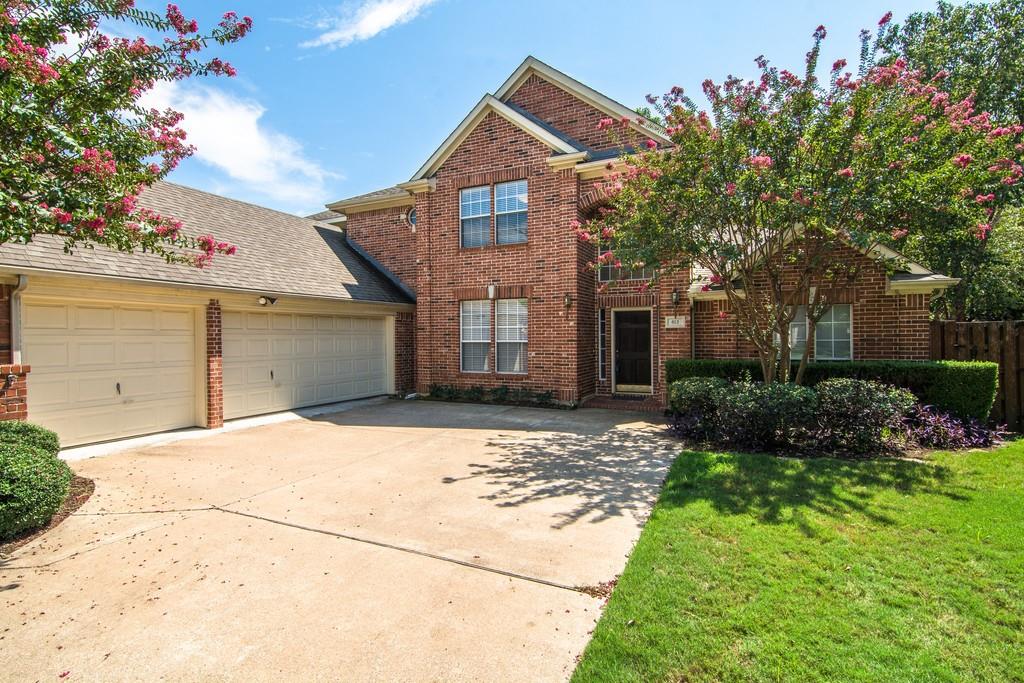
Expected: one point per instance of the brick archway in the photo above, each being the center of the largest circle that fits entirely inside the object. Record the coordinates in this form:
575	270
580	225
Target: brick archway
592	200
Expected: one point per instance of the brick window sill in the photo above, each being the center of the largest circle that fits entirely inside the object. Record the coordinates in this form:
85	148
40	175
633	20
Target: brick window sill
494	247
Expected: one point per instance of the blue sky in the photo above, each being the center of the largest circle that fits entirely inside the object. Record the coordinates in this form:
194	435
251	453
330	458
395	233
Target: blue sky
334	99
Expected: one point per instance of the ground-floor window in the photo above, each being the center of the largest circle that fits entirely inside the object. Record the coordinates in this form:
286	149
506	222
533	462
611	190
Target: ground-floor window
512	325
602	344
833	335
475	335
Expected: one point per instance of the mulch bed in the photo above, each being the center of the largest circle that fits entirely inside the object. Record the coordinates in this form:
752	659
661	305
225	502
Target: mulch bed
79	492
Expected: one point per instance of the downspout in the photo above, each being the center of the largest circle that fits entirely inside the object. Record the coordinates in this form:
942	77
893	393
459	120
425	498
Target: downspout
16	319
693	329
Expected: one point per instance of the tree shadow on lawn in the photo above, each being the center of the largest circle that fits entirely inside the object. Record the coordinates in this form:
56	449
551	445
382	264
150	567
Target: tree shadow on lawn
612	473
778	490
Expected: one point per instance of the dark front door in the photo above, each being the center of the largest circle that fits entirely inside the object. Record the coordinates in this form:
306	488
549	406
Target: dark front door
632	351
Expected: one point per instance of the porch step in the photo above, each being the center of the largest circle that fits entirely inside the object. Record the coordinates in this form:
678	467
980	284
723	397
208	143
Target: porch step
642	404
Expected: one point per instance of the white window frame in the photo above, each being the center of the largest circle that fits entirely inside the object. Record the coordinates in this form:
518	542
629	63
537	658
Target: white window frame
800	319
486	341
485	194
602	344
514	197
609	273
832	338
521	334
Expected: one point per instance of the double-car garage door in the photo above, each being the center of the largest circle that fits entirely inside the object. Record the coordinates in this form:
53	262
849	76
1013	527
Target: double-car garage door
107	371
277	361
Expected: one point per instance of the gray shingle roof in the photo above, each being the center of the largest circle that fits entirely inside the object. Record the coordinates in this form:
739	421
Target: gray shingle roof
393	191
326	215
277	252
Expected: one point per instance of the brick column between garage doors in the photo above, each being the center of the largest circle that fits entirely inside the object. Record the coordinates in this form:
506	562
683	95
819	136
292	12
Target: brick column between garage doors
214	367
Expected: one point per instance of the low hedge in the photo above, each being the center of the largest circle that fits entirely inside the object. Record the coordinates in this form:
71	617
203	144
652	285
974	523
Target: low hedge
18	432
33	485
966	389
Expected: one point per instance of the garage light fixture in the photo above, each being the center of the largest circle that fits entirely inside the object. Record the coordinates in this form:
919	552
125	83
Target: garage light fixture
266	301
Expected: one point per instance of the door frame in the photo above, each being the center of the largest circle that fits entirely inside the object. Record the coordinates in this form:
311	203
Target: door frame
645	389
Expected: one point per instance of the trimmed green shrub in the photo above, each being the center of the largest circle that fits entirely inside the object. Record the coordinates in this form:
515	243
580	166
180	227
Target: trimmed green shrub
967	389
734	370
33	485
18	432
695	394
693	403
766	416
860	417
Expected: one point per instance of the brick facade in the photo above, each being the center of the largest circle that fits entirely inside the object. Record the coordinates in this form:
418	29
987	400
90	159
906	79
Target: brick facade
14	391
885	326
551	270
214	366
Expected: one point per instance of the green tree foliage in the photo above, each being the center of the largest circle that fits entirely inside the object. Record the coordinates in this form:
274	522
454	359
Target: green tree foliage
76	146
768	191
979	46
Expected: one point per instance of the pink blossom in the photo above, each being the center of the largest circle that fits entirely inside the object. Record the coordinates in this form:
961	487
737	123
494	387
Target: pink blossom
984	198
651	144
604	123
982	231
963	160
838	64
730	189
845	172
760	162
886	18
899	233
722	315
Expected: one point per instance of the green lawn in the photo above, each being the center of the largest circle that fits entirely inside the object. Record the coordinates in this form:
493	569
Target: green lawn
761	568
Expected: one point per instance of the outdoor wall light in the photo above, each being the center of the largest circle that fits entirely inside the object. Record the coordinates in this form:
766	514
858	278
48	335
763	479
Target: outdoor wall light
266	301
675	296
568	300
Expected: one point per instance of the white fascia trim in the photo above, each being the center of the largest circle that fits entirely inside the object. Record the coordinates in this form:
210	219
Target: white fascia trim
486	105
347	206
880	250
598	169
532	65
924	286
560	161
418	186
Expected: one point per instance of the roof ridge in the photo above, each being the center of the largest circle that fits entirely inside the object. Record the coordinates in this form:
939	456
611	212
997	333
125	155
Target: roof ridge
221	197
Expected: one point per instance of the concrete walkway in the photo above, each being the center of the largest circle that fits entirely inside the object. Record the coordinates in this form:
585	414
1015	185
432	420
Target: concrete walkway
404	540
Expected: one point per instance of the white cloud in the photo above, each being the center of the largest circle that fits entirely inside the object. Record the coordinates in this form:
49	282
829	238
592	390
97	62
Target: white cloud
228	135
366	19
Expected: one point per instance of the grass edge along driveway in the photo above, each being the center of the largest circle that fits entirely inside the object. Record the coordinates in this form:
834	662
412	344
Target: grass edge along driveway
757	568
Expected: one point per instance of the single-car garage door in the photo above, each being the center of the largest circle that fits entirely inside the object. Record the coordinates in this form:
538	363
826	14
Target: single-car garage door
280	361
104	372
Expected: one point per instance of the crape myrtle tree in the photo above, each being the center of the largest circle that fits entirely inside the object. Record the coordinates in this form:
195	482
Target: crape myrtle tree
76	145
769	190
979	45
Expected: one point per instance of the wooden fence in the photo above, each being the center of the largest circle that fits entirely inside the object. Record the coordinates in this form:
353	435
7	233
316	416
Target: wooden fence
1001	342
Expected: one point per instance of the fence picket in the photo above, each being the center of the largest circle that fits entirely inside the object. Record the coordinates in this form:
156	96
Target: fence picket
1000	342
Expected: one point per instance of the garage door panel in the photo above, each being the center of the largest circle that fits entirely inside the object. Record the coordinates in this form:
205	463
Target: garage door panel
93	352
313	359
92	318
46	317
81	352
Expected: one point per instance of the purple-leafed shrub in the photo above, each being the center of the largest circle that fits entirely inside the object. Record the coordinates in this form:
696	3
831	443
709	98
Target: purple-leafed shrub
930	428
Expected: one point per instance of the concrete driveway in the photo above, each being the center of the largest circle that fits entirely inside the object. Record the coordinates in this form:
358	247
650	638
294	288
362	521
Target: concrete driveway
401	541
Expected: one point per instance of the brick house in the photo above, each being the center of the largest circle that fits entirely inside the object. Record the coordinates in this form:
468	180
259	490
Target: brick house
469	274
481	234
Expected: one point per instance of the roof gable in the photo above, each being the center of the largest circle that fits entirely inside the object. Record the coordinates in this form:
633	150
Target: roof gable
533	66
490	104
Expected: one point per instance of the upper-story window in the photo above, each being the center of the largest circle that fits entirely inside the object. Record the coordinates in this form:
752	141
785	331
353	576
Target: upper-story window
607	273
510	204
475	216
510	211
